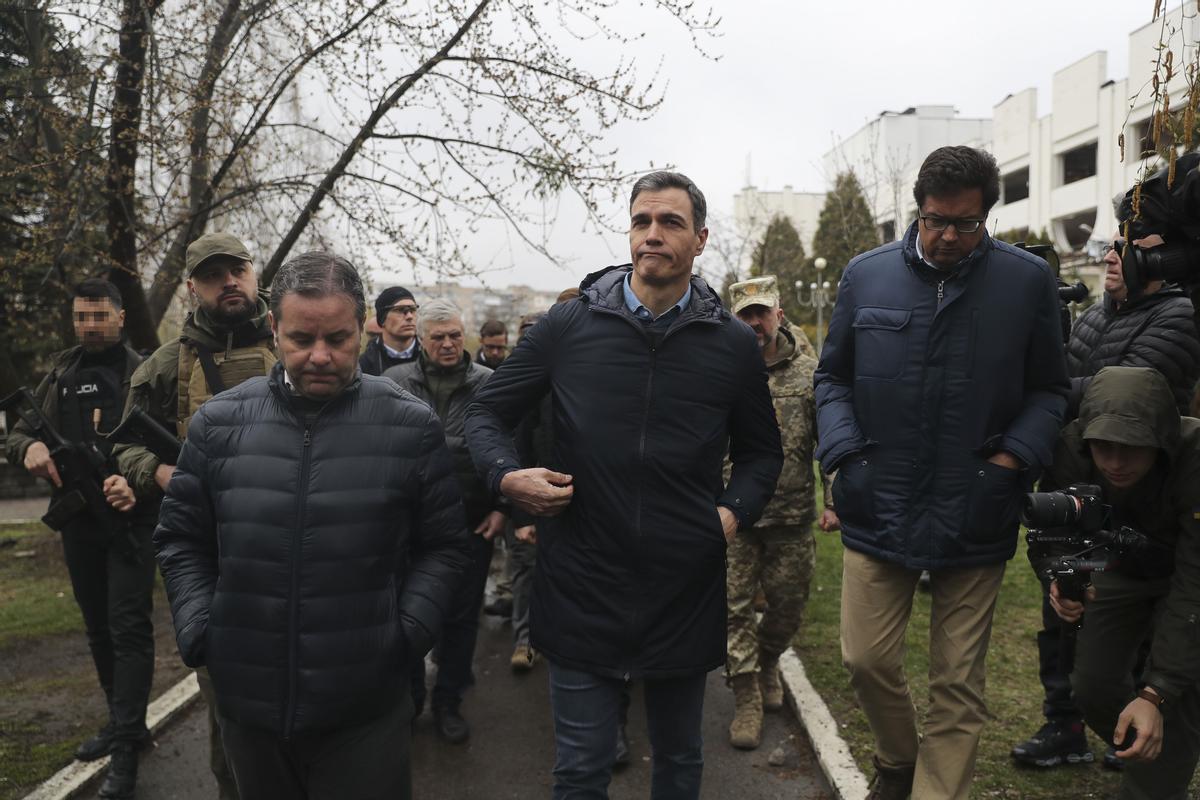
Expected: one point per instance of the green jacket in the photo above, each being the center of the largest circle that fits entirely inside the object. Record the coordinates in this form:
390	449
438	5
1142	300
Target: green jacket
154	387
1135	405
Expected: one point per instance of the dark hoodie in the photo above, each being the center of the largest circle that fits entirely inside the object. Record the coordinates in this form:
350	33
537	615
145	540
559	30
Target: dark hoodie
1136	406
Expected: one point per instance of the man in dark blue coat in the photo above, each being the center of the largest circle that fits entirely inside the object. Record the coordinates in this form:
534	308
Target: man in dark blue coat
940	392
651	380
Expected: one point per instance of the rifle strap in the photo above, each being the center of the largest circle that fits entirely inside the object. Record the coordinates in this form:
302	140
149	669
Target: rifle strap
212	375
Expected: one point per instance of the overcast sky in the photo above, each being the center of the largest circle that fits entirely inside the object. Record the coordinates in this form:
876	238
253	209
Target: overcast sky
793	76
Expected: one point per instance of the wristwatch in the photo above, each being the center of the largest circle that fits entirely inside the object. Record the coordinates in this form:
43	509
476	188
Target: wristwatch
1150	696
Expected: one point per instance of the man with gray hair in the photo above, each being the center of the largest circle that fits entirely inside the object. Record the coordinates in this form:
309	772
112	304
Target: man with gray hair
311	541
446	378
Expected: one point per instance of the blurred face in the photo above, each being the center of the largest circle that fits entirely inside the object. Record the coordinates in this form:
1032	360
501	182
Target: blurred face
764	320
945	248
226	288
1122	465
400	324
317	339
495	348
443	342
97	322
663	241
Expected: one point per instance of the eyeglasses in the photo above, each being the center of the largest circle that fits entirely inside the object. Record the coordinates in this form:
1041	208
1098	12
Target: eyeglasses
405	310
935	223
1115	244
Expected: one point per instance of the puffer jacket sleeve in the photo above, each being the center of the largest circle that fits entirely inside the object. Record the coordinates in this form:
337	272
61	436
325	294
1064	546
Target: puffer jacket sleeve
438	543
517	386
755	446
838	433
1032	433
185	542
1168	344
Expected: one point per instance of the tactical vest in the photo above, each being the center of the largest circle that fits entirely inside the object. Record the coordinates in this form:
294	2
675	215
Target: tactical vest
204	372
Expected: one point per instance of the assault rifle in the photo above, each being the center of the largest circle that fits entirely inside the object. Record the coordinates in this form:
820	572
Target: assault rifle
82	468
138	427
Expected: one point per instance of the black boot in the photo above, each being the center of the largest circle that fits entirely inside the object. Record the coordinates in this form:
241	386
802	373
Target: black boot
122	772
98	746
891	783
1058	742
450	724
622	758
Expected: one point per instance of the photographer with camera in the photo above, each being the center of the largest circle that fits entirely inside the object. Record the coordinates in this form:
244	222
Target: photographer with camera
1130	440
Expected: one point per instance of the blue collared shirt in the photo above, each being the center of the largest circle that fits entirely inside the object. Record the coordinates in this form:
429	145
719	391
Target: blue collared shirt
640	311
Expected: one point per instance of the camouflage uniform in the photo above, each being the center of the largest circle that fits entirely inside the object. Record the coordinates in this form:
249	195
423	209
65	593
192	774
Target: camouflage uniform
778	553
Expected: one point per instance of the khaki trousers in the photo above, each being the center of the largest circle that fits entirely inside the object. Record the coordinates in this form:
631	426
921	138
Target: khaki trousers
876	606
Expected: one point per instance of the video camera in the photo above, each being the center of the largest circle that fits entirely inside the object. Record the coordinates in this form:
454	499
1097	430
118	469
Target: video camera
1171	211
1067	293
1071	536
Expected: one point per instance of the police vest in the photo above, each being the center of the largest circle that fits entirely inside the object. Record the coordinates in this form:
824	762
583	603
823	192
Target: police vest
204	372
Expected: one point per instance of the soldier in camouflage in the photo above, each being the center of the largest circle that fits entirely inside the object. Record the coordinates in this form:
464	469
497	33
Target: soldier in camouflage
777	555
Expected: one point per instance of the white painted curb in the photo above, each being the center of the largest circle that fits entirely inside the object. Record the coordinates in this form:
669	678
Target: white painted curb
76	776
833	754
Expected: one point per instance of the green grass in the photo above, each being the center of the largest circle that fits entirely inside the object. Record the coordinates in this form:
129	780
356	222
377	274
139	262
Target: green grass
1014	694
35	590
26	764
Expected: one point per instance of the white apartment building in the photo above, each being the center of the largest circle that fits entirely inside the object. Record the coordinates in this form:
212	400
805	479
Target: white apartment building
1059	172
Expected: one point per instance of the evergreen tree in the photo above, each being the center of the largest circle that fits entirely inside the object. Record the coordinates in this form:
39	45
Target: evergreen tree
781	254
844	229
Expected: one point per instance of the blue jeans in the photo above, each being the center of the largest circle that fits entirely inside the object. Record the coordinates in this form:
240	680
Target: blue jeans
586	711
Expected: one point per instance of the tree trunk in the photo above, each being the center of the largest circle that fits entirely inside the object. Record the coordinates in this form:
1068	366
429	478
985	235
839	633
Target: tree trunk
122	168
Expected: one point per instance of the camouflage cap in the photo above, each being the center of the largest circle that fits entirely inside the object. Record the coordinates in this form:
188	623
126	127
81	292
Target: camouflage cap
762	291
214	244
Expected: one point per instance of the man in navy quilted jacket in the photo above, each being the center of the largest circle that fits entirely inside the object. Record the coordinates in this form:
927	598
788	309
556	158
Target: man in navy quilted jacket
311	540
940	392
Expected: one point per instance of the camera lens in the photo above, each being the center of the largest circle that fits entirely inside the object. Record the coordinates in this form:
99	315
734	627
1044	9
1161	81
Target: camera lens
1050	510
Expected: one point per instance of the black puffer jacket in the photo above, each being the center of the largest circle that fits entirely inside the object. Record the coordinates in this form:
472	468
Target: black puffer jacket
1157	331
631	576
306	566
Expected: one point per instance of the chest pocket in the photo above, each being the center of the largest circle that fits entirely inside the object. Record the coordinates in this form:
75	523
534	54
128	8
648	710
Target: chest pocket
880	342
234	367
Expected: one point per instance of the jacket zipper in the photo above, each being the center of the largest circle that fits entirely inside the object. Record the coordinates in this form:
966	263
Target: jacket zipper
293	596
941	292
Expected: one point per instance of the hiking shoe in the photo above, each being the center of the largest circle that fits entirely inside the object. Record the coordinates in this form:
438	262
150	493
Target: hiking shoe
450	725
1058	742
523	658
891	783
1110	760
122	773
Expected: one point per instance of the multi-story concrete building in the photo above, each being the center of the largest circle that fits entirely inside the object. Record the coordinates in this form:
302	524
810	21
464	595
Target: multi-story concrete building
1060	172
479	304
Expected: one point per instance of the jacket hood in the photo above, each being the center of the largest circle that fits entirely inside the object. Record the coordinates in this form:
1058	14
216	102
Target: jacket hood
1133	406
603	289
203	330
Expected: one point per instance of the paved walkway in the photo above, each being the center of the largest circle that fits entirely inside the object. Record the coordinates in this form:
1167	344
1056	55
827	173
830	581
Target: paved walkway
510	752
22	509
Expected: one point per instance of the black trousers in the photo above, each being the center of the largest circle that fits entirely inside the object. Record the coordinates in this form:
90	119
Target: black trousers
1059	703
371	761
114	589
1114	629
456	646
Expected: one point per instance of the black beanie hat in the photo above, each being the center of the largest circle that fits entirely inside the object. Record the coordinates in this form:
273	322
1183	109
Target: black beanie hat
388	298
